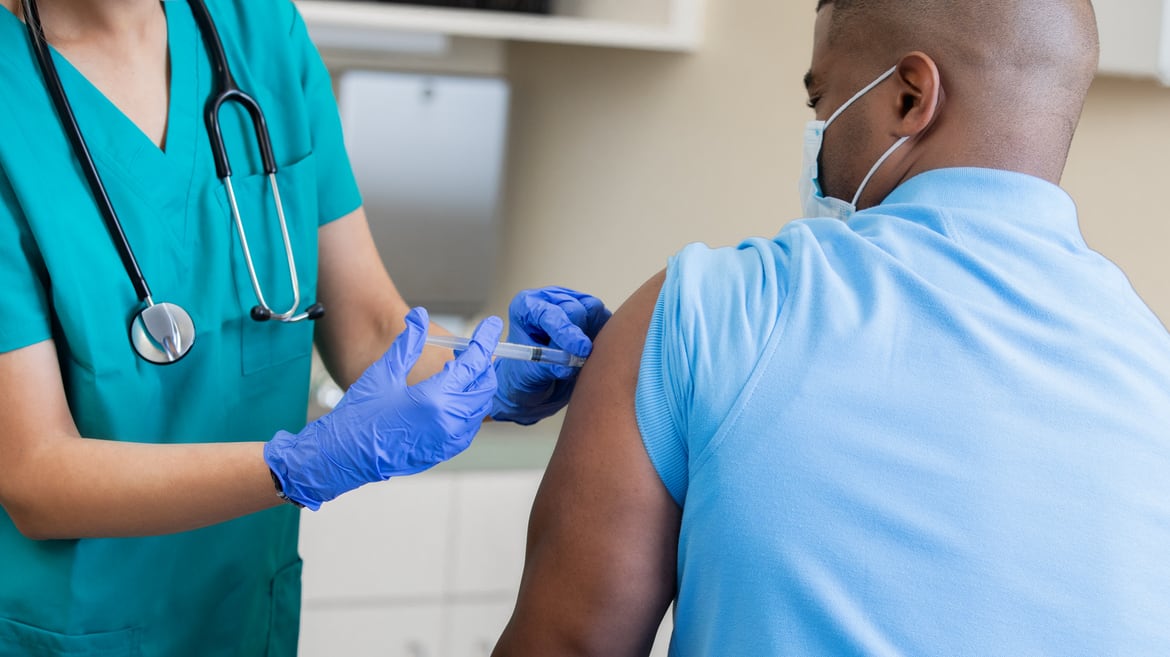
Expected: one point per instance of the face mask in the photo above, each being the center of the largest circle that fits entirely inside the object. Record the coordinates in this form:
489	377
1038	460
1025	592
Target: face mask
816	204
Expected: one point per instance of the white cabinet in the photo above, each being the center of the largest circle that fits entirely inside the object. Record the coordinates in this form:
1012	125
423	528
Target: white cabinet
1135	37
423	566
474	627
394	631
382	542
490	531
428	153
670	25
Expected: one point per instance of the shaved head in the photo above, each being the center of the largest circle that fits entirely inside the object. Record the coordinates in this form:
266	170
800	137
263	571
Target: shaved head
1010	78
992	33
1006	55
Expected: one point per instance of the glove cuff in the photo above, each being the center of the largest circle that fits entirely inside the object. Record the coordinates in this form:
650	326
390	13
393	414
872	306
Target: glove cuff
280	491
505	411
286	488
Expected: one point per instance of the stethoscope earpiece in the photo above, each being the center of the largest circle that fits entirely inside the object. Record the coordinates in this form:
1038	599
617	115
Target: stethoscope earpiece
261	314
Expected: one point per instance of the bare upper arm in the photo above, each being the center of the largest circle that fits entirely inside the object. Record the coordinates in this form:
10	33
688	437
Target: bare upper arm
600	565
363	309
33	412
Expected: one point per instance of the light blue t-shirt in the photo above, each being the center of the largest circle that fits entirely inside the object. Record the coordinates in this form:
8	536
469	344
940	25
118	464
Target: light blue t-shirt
234	588
942	428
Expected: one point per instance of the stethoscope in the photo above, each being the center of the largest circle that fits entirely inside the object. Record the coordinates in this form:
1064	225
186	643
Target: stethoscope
162	333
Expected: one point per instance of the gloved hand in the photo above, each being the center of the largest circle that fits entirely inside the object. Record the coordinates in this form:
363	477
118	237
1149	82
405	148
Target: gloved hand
383	427
551	316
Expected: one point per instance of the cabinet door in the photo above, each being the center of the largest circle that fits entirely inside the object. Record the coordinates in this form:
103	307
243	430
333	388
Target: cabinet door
474	627
428	154
491	512
392	631
380	542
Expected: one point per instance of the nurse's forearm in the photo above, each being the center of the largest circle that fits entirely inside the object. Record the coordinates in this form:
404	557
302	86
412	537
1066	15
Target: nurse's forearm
364	312
347	358
70	487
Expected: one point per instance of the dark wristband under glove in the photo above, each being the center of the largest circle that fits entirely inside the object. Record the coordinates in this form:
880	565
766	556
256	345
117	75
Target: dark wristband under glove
280	491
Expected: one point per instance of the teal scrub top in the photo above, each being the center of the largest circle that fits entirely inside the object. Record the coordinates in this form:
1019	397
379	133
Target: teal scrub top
231	589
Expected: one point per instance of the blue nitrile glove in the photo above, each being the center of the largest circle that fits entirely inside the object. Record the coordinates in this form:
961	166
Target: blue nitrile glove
549	317
383	427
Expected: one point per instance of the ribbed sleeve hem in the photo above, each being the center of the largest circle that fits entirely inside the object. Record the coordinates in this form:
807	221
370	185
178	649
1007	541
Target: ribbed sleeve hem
665	447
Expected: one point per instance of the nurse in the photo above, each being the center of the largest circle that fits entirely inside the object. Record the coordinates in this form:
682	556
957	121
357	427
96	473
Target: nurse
151	509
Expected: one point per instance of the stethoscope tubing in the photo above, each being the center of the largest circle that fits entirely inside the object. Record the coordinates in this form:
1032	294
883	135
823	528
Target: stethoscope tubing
229	92
226	92
263	307
71	128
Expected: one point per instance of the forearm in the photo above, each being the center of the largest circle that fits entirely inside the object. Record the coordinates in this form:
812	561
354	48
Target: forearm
364	310
69	487
348	352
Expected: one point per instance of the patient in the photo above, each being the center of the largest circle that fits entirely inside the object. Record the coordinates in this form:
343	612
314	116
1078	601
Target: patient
939	425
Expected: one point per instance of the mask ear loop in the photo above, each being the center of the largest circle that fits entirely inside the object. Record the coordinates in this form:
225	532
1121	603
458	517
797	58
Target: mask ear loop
833	117
878	165
868	88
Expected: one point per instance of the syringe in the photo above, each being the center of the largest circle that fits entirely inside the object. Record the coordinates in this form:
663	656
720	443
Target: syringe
514	351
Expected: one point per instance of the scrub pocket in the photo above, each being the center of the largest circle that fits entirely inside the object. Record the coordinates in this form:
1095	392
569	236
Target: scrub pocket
267	344
21	640
284	623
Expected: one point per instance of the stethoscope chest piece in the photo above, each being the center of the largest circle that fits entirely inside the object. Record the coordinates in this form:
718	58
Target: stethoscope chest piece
162	333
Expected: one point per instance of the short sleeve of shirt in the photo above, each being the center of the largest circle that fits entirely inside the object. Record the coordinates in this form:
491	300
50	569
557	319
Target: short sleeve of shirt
24	307
337	189
713	319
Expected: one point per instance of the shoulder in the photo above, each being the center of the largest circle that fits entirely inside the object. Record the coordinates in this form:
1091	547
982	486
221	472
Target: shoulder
754	279
760	265
20	78
725	293
714	318
269	45
260	29
254	16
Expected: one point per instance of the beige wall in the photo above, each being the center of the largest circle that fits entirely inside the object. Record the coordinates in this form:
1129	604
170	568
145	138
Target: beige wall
619	158
1119	174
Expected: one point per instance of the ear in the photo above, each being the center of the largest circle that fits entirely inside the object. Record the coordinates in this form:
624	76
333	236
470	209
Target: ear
920	93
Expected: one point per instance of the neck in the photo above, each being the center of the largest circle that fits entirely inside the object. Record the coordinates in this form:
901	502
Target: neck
67	21
1031	143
